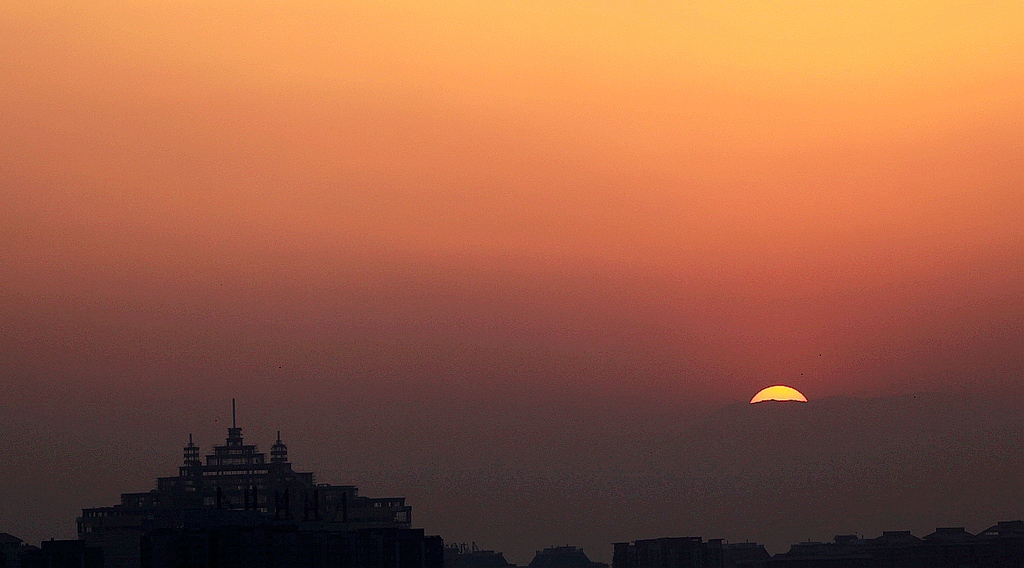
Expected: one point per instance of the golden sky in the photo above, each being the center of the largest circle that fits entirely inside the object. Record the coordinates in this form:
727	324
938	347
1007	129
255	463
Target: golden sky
769	170
462	241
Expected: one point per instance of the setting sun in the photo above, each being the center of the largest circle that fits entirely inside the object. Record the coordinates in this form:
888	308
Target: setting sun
780	393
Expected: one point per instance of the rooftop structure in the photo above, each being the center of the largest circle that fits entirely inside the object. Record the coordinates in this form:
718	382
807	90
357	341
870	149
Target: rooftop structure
999	546
671	552
948	547
471	556
563	557
236	480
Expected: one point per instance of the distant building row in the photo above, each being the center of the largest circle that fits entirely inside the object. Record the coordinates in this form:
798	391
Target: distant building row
1000	546
50	554
461	556
238	509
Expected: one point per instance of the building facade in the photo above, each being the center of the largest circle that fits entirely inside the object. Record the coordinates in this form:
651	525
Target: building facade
234	487
669	552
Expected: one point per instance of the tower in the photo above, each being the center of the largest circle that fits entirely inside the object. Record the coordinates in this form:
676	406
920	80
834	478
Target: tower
191	453
279	451
234	432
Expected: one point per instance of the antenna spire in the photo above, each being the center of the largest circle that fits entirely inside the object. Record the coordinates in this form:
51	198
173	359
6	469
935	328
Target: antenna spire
191	452
279	451
233	424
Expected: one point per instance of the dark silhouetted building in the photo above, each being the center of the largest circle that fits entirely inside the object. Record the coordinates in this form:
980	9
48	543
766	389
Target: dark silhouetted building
672	552
10	551
463	556
1000	546
744	555
62	554
239	508
563	557
287	545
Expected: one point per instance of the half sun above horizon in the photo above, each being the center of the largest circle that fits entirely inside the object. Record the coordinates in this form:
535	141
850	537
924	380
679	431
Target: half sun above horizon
779	393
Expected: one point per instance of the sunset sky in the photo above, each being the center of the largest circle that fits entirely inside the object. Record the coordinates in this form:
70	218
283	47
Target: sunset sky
660	206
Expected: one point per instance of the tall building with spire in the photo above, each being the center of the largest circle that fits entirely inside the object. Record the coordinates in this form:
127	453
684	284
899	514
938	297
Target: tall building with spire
236	483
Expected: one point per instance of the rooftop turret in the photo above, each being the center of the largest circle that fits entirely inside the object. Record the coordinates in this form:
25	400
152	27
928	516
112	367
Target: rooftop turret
279	451
191	453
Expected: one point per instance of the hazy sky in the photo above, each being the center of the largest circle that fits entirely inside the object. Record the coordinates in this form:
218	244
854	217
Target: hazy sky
664	206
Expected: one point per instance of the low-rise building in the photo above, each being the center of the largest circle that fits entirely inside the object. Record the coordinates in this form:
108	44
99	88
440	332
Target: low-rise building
1000	546
10	551
668	552
563	557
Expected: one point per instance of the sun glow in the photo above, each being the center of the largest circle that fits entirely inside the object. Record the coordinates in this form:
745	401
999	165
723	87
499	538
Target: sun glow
780	393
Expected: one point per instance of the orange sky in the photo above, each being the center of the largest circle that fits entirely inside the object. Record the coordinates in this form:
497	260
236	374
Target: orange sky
488	254
742	185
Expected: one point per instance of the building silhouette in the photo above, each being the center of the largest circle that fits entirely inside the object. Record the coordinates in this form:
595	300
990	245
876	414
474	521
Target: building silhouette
239	508
62	554
690	551
11	548
748	554
472	556
999	546
14	553
563	557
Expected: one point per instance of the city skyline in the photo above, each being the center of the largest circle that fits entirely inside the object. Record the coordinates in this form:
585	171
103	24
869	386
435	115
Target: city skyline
727	471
